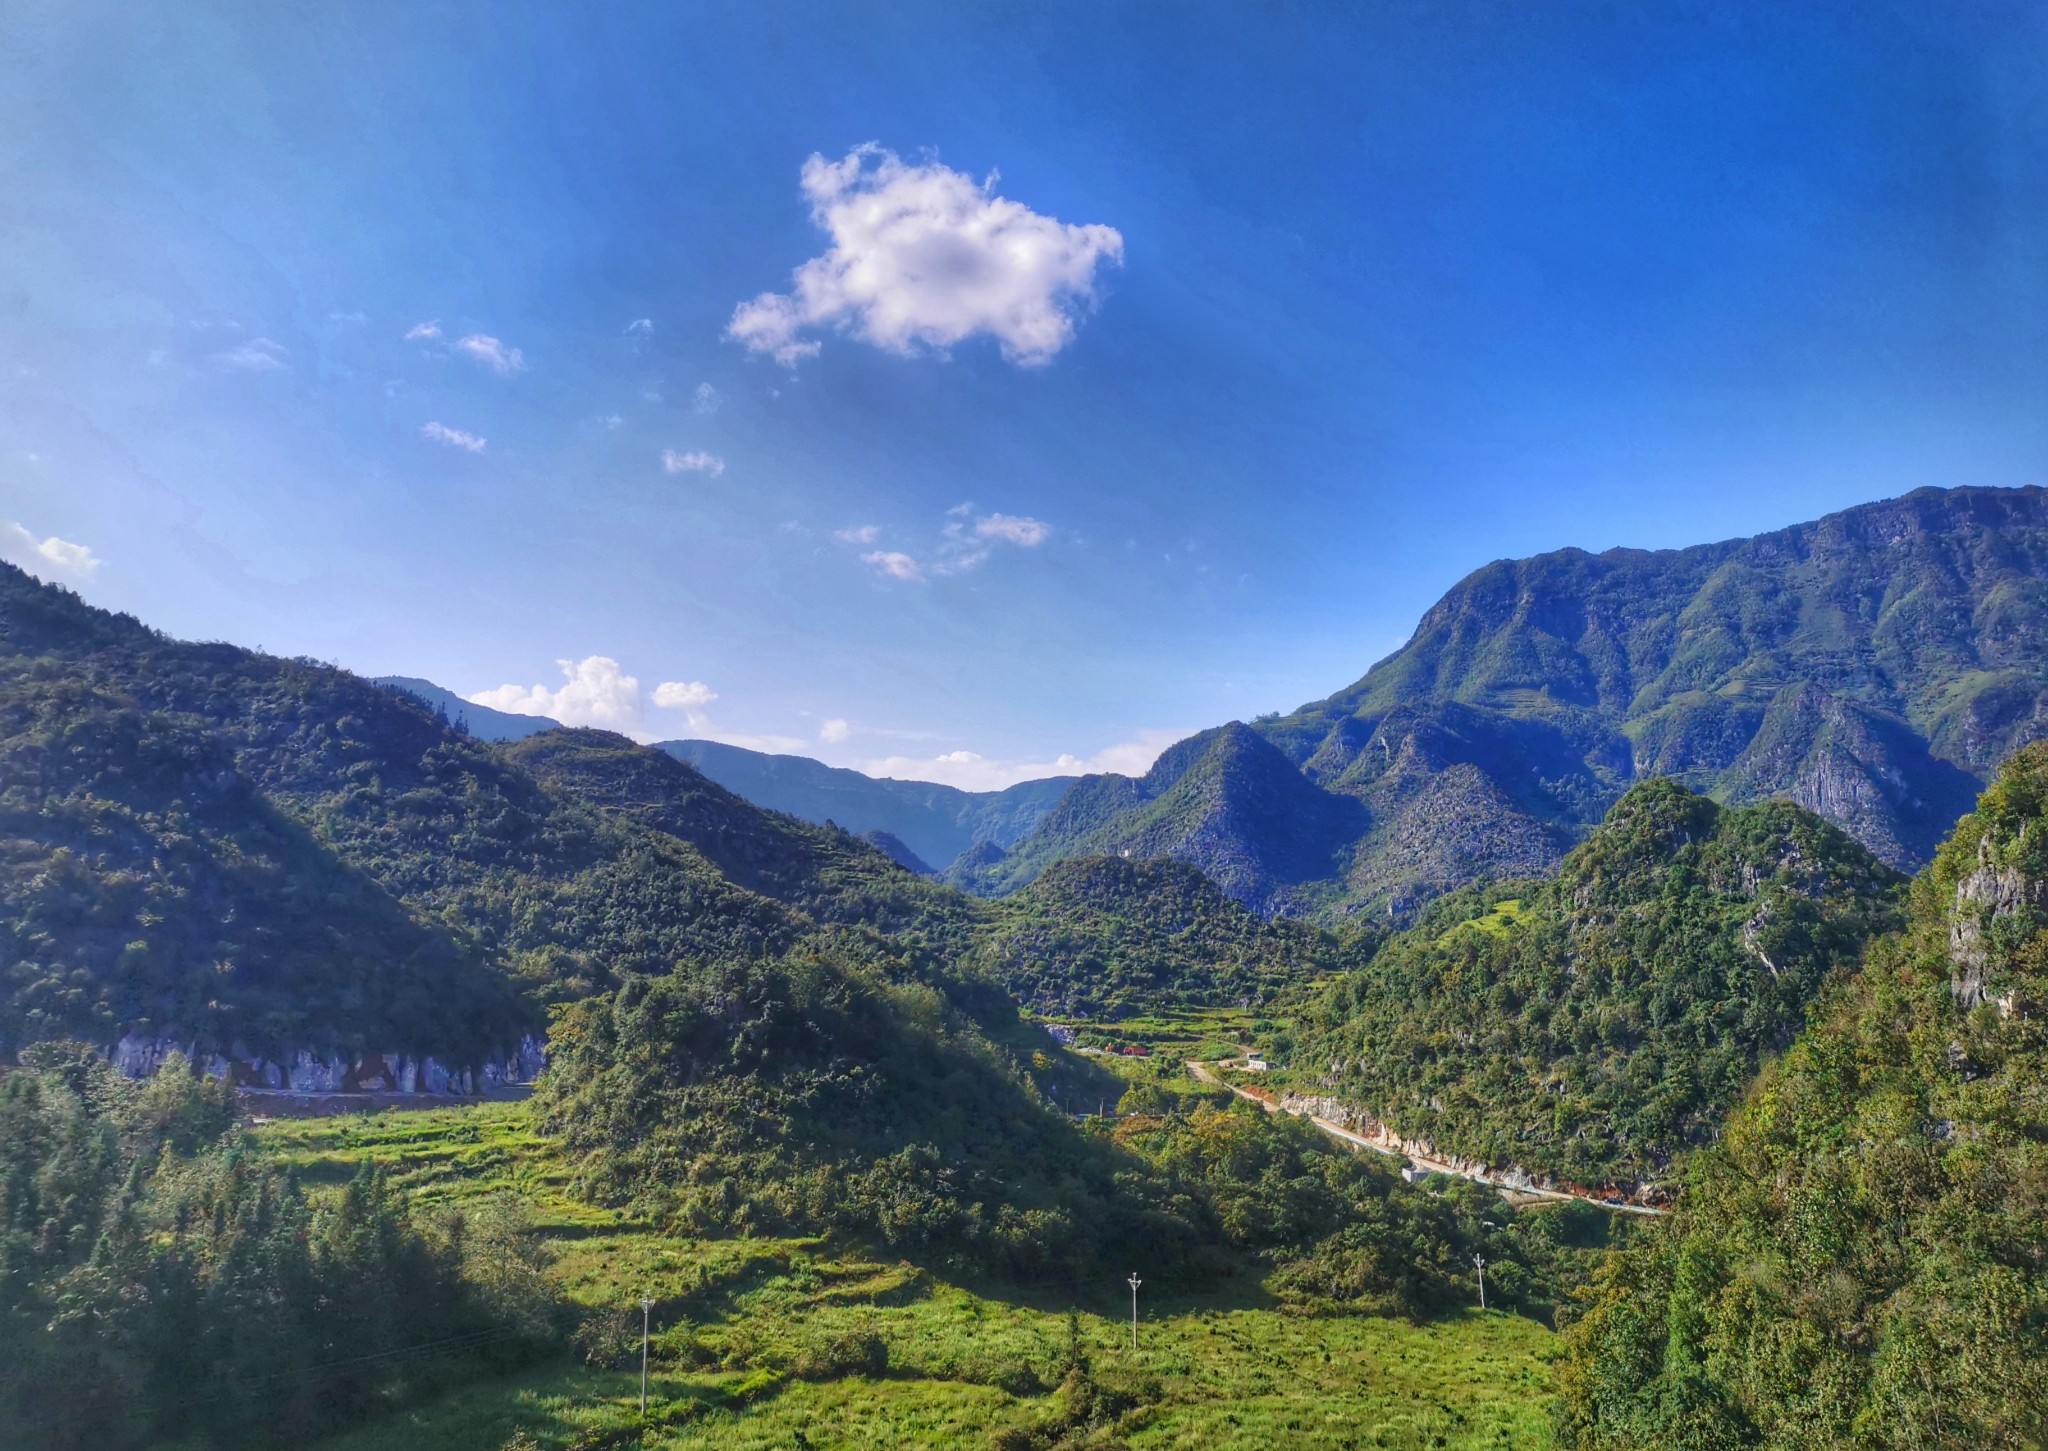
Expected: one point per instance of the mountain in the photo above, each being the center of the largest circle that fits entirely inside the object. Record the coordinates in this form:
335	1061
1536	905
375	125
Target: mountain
1874	666
892	846
1226	801
271	860
936	822
1593	1025
1860	1262
1102	936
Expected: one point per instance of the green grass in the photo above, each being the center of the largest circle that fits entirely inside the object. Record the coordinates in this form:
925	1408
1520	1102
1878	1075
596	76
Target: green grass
1505	914
1184	1032
772	1342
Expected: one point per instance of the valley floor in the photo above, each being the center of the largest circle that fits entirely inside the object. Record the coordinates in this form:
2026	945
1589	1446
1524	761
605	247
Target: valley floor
764	1343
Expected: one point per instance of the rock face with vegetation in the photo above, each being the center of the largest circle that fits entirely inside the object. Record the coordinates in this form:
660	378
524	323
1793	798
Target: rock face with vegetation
1861	1261
1873	666
1593	1025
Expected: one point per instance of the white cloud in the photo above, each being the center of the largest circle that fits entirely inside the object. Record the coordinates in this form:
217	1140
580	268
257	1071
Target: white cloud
694	462
456	437
493	354
610	421
640	327
423	332
258	355
683	694
834	730
347	317
595	692
962	547
707	399
965	543
925	257
51	556
972	771
1025	532
893	564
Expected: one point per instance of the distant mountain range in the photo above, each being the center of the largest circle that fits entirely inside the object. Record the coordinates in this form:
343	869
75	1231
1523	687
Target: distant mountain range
934	823
1875	666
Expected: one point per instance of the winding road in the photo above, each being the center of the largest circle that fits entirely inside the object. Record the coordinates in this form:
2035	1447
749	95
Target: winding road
1206	1073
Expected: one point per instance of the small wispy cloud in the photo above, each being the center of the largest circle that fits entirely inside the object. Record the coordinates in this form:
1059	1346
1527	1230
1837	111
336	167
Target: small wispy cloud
1025	532
348	317
258	355
694	462
707	399
683	695
61	557
834	730
454	437
895	564
964	546
640	327
423	332
965	543
492	354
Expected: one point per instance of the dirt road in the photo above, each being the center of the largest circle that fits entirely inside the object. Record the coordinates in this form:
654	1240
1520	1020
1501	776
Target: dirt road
1207	1074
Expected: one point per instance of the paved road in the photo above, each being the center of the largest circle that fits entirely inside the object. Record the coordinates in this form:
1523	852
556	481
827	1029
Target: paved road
1207	1074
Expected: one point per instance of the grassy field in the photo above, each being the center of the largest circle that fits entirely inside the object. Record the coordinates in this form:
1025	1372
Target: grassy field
765	1343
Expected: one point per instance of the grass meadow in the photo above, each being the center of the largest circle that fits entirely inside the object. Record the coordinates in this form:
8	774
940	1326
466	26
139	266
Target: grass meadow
773	1343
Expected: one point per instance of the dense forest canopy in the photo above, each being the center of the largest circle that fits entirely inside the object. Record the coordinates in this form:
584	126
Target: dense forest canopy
1099	936
1595	1024
1861	1261
160	1279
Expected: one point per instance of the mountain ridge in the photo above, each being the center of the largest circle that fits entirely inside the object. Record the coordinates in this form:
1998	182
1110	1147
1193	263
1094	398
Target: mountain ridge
1874	665
937	822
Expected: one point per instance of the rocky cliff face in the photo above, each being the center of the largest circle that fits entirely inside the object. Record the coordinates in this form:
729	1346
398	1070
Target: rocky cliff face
138	1056
1993	880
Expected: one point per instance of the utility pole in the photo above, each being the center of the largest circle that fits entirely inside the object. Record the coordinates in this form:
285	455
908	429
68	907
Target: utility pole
1135	1282
1480	1261
646	1309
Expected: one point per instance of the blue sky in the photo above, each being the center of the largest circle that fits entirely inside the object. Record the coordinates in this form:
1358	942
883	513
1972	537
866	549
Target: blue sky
1158	366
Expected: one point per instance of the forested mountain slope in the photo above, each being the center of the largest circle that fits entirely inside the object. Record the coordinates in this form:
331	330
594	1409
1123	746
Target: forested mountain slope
243	852
936	822
1101	936
259	857
1863	1259
1225	801
1873	666
1593	1025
